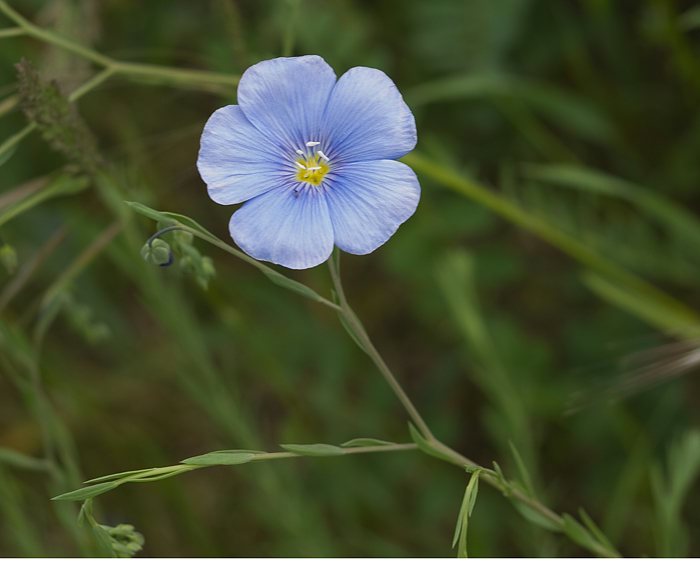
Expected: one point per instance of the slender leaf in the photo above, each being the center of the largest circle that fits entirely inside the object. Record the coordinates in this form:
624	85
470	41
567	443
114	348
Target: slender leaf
314	450
220	458
366	442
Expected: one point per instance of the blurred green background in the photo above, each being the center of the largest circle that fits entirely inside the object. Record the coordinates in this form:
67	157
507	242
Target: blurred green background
580	116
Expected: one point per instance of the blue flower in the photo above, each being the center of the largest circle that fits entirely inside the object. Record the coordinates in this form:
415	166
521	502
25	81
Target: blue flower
312	158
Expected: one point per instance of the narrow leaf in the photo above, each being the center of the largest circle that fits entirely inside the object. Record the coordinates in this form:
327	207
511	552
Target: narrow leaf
87	491
535	517
577	532
366	442
522	470
314	450
220	458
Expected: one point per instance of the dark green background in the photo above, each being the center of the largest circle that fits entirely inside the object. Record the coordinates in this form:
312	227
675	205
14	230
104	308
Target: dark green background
611	85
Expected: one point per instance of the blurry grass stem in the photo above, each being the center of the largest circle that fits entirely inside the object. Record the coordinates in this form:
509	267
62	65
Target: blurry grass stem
204	80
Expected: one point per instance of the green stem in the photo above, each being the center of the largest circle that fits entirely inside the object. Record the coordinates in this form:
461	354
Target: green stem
173	75
11	32
197	78
359	333
12	141
436	448
53	38
91	84
158	473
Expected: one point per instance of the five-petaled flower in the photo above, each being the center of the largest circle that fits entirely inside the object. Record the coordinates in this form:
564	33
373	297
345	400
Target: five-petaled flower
313	159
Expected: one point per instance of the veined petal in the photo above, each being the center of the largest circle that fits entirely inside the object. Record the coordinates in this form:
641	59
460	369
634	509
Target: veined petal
368	201
235	160
285	97
284	227
367	118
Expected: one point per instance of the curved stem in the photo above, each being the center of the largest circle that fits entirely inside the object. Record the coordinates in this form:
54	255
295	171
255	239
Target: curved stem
361	336
432	446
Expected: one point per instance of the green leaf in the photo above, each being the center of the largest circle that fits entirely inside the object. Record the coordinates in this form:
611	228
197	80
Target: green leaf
596	531
465	512
577	532
522	470
535	517
293	285
160	216
314	450
87	491
220	458
426	447
645	305
201	232
366	442
653	203
115	476
101	537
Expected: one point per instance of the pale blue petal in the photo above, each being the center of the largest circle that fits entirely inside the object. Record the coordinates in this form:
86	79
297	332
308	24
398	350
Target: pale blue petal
367	118
285	97
236	161
368	201
284	227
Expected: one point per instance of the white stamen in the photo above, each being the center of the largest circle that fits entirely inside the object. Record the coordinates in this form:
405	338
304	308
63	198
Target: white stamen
300	152
324	156
312	144
315	168
300	165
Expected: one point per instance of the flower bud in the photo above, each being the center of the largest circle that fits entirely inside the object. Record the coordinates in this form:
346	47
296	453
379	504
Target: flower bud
157	252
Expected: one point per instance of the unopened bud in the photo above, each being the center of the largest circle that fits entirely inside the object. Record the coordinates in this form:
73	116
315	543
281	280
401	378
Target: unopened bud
157	252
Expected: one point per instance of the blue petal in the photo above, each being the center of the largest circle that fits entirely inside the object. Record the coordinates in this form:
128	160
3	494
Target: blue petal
367	119
284	227
368	201
235	160
285	97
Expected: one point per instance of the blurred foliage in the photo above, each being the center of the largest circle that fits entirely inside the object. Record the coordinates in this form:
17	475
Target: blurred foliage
582	115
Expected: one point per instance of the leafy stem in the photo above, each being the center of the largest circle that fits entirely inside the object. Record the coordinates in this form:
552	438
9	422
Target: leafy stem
431	446
106	483
424	440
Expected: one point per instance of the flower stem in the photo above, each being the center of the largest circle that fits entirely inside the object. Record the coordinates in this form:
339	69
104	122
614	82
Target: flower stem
433	446
360	335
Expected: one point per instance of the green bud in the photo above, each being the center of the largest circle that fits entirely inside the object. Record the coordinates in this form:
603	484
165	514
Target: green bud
183	236
8	258
157	252
126	541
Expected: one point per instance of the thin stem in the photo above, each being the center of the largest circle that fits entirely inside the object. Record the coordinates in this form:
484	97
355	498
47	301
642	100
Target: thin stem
200	79
91	84
17	138
173	75
365	342
11	32
53	38
436	447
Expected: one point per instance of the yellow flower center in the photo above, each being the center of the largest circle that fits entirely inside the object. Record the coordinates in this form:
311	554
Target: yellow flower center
312	164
